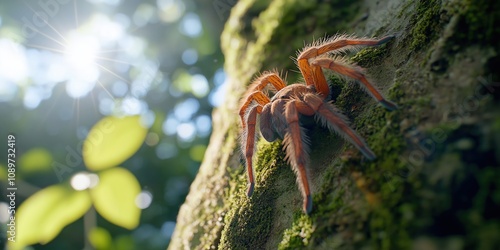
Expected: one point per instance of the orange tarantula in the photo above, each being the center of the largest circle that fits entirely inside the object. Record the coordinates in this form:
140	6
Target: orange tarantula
280	115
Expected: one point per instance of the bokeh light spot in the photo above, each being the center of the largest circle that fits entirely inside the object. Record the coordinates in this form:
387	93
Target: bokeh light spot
32	98
169	126
77	88
217	96
191	25
4	212
143	199
133	106
143	14
219	77
106	106
189	56
80	181
119	88
186	109
13	64
186	131
171	10
203	125
199	85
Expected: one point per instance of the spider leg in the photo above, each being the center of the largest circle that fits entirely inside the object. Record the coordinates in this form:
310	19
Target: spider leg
348	43
356	74
248	143
248	115
258	85
262	81
336	122
313	74
340	43
257	96
296	146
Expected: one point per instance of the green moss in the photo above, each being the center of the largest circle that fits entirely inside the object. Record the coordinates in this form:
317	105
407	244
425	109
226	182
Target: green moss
404	9
369	56
388	228
298	236
317	19
396	92
249	220
382	184
426	27
474	25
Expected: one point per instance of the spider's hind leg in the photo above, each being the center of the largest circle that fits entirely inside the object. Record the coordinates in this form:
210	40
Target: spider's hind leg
327	114
313	74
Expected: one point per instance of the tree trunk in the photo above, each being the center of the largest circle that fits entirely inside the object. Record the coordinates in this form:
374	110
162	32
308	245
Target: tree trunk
436	181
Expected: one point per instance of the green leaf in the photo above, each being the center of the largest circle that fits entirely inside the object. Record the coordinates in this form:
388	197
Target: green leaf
100	238
43	215
112	141
3	172
114	197
35	160
124	242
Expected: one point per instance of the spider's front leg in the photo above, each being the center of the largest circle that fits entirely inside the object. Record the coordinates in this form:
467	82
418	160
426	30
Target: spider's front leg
254	92
249	120
252	104
296	146
248	142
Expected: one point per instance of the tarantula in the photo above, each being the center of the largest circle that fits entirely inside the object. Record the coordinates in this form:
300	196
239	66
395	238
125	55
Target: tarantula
280	115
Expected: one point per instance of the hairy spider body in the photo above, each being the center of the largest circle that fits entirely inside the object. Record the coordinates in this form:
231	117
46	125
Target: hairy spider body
280	114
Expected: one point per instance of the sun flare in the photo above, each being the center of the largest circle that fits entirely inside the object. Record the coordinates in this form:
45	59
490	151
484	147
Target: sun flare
81	50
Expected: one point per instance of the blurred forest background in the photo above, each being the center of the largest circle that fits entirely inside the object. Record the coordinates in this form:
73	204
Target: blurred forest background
66	64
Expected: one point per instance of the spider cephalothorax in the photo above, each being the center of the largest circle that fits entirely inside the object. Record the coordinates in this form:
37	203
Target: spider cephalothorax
279	115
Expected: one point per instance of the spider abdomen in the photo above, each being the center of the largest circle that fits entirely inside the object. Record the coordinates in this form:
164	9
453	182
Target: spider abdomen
266	127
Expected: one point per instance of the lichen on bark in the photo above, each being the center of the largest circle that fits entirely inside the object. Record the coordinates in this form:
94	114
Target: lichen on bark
434	184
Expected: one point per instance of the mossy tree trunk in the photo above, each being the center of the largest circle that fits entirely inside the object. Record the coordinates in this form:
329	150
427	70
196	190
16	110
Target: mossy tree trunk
436	181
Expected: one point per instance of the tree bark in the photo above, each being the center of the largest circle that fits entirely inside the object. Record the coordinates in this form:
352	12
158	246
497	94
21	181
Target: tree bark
435	182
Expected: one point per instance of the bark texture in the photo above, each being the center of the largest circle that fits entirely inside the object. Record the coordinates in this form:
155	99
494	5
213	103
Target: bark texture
436	181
